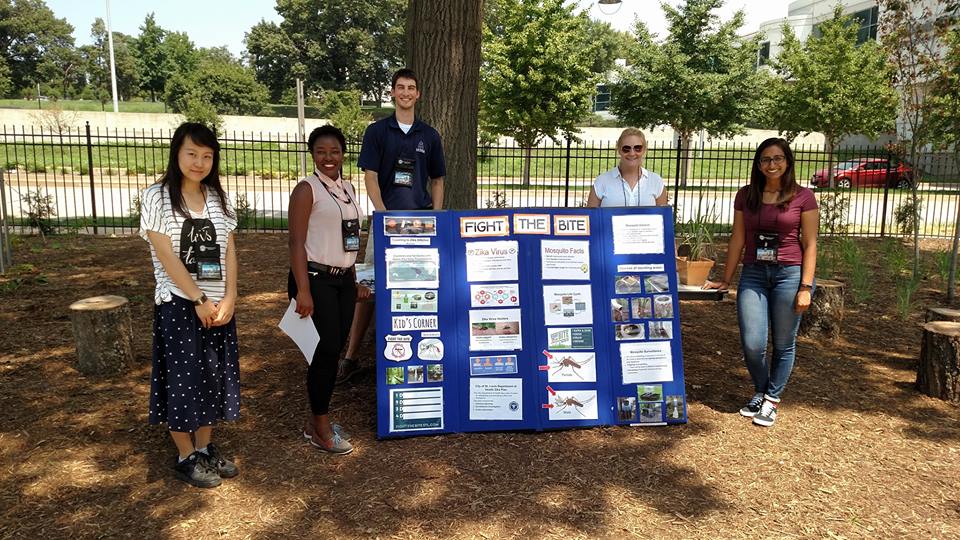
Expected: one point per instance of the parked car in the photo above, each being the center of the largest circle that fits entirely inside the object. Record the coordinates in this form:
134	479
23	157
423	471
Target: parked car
866	172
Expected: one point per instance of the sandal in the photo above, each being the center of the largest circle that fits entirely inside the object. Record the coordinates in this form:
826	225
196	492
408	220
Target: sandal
346	369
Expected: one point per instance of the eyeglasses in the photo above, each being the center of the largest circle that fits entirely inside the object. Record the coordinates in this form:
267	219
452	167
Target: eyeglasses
636	148
776	160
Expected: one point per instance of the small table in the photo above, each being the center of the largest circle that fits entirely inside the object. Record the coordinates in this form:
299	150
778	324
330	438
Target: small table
694	292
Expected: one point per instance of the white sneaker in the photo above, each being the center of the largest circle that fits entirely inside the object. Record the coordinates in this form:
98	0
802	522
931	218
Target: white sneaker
768	413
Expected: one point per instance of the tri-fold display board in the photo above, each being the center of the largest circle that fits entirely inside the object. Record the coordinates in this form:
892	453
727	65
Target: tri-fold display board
526	320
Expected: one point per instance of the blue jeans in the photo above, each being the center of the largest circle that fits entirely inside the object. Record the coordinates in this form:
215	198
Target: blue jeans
766	298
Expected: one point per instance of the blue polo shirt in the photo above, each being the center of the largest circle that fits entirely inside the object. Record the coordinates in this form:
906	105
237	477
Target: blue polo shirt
384	142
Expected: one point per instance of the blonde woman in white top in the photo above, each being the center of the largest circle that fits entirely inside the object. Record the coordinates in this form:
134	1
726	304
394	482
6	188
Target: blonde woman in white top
629	183
324	223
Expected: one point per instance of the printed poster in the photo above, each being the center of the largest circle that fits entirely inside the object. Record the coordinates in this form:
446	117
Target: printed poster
637	234
646	362
572	367
565	259
492	261
495	330
495	295
417	409
570	338
414	301
412	268
572	405
567	304
496	399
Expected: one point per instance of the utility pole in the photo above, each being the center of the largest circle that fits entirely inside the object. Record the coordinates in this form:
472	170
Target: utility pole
113	64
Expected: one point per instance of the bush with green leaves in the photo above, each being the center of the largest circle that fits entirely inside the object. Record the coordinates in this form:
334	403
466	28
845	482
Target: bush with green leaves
907	214
40	209
834	209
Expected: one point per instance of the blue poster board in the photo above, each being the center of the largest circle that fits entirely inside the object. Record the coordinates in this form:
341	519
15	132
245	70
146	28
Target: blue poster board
495	320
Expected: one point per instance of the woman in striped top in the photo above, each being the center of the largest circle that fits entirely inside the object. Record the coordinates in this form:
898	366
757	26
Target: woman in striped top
189	222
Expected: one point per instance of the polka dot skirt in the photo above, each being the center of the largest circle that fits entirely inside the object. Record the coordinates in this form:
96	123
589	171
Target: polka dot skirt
196	371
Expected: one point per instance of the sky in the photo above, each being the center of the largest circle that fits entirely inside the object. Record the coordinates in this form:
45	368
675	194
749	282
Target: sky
214	23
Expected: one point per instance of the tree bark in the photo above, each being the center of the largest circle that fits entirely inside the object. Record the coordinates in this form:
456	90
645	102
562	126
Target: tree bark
104	334
938	372
443	48
825	316
942	314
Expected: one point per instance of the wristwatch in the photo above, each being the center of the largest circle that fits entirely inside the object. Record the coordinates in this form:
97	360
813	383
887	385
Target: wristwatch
202	300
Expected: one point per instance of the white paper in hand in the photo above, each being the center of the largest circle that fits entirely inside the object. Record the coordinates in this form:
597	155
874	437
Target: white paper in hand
301	331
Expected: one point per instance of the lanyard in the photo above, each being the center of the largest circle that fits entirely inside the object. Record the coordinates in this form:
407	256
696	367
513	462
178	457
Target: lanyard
336	198
623	187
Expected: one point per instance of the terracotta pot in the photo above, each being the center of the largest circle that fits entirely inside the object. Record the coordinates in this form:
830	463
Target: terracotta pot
693	272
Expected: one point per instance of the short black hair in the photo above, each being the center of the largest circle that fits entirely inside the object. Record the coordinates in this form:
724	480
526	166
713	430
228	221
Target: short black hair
328	130
406	73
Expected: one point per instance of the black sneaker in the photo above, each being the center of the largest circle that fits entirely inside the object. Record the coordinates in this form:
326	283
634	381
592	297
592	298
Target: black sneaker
195	471
224	467
767	415
753	406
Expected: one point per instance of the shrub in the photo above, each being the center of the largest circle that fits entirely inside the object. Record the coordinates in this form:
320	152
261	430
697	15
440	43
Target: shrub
907	214
834	208
40	209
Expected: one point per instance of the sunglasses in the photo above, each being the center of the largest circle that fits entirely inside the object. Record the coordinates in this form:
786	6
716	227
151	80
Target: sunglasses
636	148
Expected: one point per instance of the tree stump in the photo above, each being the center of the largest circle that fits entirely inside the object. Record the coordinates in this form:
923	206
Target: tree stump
942	314
104	334
938	373
825	316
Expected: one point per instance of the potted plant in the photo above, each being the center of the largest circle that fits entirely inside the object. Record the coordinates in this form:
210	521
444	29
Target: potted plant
695	250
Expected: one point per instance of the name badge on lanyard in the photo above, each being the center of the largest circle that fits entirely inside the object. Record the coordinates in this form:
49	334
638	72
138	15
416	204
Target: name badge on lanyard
768	246
403	172
350	228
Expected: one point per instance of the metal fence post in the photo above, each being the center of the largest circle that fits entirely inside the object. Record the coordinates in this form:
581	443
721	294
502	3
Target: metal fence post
566	184
676	184
886	194
93	192
6	254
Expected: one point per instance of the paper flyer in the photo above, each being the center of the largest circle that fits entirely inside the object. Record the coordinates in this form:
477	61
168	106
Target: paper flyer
572	405
416	409
567	304
646	362
572	367
492	261
495	330
301	331
637	234
496	399
494	295
565	259
412	268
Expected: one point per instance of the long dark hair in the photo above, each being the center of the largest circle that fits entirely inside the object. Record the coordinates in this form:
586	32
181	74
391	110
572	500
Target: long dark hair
788	182
172	179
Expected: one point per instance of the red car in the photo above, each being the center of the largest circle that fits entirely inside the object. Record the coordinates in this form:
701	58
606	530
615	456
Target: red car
866	172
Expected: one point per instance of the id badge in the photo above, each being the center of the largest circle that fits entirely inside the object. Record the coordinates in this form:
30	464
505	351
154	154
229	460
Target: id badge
767	247
403	172
209	270
350	229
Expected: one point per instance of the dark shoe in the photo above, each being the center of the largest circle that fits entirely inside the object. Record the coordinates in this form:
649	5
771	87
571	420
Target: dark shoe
768	413
753	406
346	369
224	467
195	471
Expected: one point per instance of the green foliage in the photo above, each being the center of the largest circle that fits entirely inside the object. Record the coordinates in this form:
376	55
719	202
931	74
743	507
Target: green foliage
943	98
697	235
151	56
836	87
217	83
40	209
941	264
907	214
343	110
31	36
136	208
700	77
497	199
6	84
197	109
245	212
828	258
861	278
896	258
906	288
335	44
834	209
536	78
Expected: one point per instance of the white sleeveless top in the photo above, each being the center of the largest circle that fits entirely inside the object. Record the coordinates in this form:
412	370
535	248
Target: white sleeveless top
613	190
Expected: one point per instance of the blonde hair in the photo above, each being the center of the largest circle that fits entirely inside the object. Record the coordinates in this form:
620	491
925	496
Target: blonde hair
632	132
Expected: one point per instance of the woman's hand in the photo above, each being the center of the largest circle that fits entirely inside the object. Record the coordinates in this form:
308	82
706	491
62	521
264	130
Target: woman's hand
363	292
719	285
803	300
304	304
206	312
224	311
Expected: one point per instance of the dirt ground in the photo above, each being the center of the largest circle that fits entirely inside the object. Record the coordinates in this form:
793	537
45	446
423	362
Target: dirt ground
856	452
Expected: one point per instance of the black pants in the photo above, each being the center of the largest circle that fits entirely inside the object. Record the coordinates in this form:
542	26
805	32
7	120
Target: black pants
333	302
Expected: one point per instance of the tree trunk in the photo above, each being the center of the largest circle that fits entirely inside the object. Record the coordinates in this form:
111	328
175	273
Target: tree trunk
527	160
938	372
685	159
825	316
942	314
104	334
443	48
829	143
916	221
952	279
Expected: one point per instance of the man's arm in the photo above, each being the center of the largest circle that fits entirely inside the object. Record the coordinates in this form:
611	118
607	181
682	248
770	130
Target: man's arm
372	183
436	192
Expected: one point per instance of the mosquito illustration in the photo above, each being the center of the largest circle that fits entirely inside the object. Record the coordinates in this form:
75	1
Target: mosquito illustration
568	362
429	348
562	403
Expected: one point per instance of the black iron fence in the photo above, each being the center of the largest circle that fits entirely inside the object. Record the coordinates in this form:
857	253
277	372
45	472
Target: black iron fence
89	179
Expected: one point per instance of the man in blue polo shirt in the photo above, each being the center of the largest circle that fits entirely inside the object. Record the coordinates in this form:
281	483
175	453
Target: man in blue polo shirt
402	157
403	169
